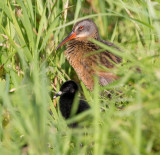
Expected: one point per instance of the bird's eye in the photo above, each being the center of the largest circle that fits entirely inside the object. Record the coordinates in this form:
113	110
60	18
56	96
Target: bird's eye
81	27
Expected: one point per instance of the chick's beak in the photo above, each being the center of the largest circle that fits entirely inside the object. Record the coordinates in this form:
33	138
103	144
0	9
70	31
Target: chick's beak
71	36
58	94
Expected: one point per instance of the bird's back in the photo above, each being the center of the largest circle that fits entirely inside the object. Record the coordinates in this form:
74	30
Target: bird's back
83	106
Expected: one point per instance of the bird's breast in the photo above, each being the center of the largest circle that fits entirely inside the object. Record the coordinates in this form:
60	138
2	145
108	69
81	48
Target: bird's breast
82	64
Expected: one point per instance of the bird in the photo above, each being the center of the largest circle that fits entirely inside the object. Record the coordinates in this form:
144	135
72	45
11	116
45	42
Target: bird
67	93
92	65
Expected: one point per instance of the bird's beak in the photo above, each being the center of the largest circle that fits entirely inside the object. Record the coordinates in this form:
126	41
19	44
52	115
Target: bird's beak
58	94
71	36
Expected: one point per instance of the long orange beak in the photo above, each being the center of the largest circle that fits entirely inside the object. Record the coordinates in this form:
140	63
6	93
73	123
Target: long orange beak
71	36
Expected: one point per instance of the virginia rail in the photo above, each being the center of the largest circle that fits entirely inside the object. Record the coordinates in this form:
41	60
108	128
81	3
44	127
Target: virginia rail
88	66
67	94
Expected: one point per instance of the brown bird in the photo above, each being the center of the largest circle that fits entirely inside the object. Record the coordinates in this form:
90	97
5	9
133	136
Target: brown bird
79	54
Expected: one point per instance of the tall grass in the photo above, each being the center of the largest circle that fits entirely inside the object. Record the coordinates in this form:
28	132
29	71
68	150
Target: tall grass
31	71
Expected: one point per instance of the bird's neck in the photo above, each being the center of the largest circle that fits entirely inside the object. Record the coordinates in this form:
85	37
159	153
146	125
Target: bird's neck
66	102
67	98
82	46
77	50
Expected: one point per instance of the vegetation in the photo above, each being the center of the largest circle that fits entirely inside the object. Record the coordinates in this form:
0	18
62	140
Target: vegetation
31	71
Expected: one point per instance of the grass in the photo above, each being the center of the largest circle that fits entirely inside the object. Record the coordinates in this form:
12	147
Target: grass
31	71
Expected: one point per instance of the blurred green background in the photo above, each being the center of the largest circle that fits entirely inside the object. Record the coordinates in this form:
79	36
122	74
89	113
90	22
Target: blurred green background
31	71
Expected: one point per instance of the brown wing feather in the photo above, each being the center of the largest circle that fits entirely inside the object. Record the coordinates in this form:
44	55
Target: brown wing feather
113	57
108	59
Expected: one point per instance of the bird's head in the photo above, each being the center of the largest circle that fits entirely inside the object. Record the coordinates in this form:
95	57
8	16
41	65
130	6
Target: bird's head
69	87
82	31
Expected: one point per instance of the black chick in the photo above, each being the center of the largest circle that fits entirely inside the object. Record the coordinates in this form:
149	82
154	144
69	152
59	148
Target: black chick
67	94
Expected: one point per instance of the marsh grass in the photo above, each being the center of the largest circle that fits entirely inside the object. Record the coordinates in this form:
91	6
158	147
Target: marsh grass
31	71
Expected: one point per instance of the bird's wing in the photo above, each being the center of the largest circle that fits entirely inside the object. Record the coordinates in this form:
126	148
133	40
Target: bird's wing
107	59
83	105
116	59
